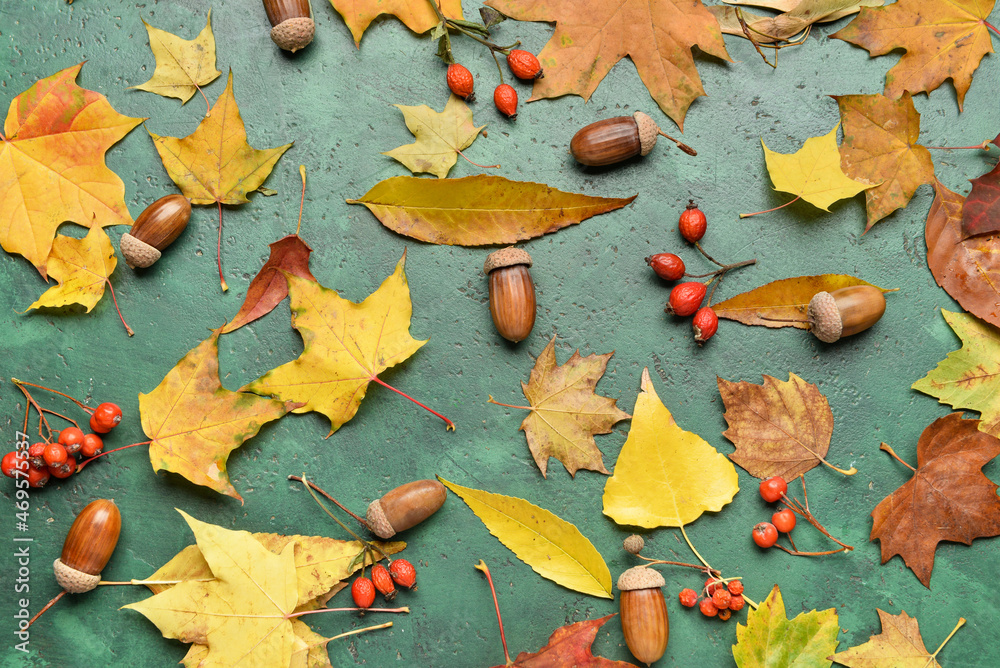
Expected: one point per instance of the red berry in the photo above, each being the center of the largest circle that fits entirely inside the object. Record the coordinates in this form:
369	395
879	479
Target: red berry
783	520
105	418
460	82
724	614
363	592
705	323
737	602
505	98
383	581
403	573
765	535
721	598
735	587
688	598
54	455
708	608
36	455
71	438
92	445
10	465
686	298
773	488
64	470
37	477
711	584
692	223
667	266
524	65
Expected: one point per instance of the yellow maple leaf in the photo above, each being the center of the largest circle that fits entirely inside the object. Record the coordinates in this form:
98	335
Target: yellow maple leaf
813	172
194	423
900	645
52	165
308	650
417	16
665	476
82	267
182	65
440	137
346	346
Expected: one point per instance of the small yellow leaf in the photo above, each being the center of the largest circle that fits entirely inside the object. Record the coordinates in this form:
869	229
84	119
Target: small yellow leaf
554	548
181	64
82	267
813	172
440	136
665	476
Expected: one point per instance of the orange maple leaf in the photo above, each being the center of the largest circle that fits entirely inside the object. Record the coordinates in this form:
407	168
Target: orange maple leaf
417	16
52	165
592	35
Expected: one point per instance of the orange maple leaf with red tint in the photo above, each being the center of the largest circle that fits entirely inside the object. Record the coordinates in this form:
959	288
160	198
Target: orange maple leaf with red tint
52	165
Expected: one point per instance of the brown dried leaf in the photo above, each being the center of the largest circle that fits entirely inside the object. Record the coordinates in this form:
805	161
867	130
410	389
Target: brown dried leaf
570	646
981	214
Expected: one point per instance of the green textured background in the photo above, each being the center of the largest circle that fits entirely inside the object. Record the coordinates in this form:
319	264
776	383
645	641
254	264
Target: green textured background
594	292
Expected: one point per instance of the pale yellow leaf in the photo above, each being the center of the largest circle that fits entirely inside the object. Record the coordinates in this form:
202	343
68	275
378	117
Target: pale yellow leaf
181	64
440	136
82	267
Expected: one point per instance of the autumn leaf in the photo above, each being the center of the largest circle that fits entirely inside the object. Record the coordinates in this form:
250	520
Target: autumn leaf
417	16
554	548
665	476
970	377
796	16
441	136
182	65
346	346
782	303
771	639
52	165
780	428
308	650
813	172
981	213
591	36
570	645
194	423
566	412
898	646
478	210
969	269
880	147
948	497
942	40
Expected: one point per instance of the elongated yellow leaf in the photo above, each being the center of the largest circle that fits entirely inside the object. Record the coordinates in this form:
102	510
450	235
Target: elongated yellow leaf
478	210
554	548
82	267
181	64
665	476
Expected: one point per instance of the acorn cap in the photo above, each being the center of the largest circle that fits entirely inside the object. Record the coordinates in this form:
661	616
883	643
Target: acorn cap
378	521
506	257
648	132
827	325
640	577
138	253
72	580
293	34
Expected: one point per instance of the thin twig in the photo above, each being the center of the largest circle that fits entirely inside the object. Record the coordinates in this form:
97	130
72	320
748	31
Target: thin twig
319	489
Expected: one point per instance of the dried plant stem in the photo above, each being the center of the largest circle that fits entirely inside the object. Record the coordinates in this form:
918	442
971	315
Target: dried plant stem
369	546
700	567
804	511
332	500
782	206
887	448
476	163
481	566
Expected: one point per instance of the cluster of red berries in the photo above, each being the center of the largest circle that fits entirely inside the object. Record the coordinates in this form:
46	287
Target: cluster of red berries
523	64
765	534
47	460
721	598
400	572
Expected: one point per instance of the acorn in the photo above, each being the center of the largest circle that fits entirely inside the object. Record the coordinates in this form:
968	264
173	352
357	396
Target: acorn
405	507
156	228
88	547
616	139
293	27
843	312
644	613
512	294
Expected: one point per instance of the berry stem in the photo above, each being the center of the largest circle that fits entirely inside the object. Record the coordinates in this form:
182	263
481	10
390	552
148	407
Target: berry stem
811	554
961	623
697	245
725	267
497	403
757	213
59	596
115	300
481	566
218	250
108	452
49	389
319	489
32	402
499	69
798	509
450	426
293	615
64	417
886	447
715	287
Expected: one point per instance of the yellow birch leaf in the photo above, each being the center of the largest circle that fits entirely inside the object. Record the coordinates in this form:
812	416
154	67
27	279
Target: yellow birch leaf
182	65
665	476
813	172
82	267
554	548
770	639
440	136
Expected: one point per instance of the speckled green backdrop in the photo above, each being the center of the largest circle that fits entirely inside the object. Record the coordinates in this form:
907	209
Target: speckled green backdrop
594	293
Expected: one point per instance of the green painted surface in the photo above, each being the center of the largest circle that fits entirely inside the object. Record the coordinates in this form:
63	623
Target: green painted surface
335	102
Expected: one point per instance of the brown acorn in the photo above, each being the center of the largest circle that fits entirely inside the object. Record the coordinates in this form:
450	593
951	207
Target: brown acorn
88	547
616	139
156	228
293	27
644	613
512	293
843	312
404	507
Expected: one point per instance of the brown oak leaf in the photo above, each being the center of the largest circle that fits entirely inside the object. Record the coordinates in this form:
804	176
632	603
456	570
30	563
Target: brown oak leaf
570	646
981	213
948	497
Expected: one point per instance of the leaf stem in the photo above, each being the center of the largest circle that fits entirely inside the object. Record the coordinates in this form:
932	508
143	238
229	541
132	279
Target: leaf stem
887	448
688	541
218	248
984	146
757	213
115	299
293	615
152	582
450	426
319	489
476	163
990	26
108	452
302	202
804	511
961	623
497	403
481	566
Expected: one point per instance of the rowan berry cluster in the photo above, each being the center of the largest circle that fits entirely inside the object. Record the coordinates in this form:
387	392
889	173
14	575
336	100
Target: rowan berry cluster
720	598
384	580
765	534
